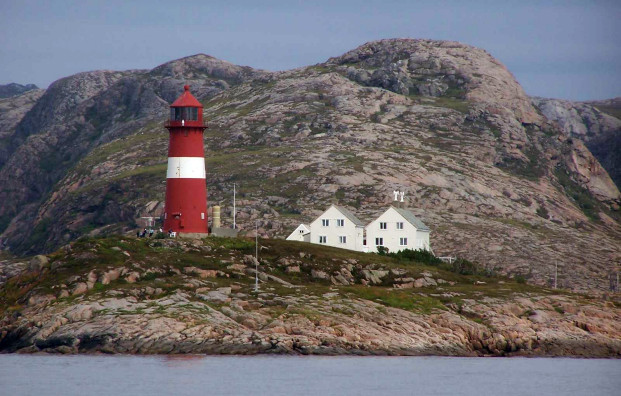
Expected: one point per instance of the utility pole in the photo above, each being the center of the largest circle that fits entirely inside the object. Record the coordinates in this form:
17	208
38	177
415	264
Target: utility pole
234	210
256	256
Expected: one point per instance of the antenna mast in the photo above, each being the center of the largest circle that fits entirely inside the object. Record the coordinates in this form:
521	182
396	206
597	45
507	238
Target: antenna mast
234	225
256	256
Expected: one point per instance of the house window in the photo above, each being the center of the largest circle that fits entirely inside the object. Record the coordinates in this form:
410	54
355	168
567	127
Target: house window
403	241
301	231
202	216
399	225
379	241
325	222
323	239
342	239
340	222
383	226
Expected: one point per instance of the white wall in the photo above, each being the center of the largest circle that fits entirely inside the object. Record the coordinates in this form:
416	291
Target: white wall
352	233
301	234
391	235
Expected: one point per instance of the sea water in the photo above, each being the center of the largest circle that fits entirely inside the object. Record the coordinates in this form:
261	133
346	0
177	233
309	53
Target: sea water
303	375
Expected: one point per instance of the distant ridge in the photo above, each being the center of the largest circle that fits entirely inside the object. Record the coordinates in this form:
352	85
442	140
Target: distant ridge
14	89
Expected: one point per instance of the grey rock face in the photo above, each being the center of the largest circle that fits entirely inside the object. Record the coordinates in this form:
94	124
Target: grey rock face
600	131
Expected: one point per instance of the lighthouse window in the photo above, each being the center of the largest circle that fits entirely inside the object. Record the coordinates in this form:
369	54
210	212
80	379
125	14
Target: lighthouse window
184	113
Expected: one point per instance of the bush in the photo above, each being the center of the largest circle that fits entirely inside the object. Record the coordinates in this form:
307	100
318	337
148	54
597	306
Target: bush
520	279
466	267
421	256
459	266
383	251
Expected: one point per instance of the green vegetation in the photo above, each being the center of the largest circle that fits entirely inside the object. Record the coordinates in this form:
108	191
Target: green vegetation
581	196
533	169
402	299
543	212
40	234
459	266
162	263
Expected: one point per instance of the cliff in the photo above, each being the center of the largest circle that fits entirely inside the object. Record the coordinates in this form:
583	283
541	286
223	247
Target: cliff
498	180
123	295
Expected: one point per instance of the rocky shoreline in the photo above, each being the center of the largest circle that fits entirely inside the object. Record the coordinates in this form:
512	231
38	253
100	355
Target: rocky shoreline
101	296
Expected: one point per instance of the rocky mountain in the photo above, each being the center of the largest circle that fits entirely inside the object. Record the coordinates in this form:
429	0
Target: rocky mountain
490	170
597	124
128	295
14	89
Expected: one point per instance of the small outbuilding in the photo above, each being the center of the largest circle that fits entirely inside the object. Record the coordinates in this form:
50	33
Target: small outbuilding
301	234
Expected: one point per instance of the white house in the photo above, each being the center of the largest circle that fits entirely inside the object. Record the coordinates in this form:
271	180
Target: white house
302	234
397	229
338	227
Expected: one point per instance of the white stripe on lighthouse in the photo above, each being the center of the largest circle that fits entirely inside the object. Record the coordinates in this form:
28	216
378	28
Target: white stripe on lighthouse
186	168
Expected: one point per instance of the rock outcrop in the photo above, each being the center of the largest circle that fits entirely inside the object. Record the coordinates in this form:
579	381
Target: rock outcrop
82	303
589	121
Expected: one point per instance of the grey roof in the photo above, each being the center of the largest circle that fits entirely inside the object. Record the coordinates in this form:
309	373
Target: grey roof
409	216
349	215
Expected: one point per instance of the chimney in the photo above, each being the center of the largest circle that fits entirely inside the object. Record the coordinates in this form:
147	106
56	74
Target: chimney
216	217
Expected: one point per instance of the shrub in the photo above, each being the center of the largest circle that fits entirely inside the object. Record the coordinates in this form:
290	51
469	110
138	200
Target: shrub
542	212
421	256
383	251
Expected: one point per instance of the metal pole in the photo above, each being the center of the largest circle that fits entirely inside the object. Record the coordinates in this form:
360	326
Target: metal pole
256	256
234	225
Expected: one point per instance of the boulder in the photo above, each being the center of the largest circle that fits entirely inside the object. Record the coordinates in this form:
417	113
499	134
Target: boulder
201	272
216	296
110	276
79	288
250	260
292	269
316	274
374	276
339	280
38	262
132	277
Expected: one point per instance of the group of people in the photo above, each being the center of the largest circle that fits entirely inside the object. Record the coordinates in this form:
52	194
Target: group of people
149	233
146	232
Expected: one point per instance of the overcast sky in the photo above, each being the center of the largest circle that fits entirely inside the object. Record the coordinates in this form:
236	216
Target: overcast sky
563	49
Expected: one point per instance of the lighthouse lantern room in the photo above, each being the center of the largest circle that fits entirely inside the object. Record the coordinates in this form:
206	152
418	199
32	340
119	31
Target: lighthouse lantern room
185	211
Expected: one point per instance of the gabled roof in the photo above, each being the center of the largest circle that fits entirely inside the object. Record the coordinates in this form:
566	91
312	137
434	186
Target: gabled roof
186	99
349	215
409	216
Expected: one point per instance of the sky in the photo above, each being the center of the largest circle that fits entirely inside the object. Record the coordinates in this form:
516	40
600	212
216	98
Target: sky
562	49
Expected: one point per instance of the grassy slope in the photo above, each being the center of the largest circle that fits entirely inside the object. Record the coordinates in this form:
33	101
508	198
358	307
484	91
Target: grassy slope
159	258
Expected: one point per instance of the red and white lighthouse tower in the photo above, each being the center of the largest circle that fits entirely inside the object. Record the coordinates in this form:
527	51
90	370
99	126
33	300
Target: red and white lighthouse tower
185	211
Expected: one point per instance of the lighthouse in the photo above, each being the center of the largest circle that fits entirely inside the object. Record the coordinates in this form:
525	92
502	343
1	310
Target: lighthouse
185	211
